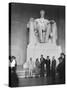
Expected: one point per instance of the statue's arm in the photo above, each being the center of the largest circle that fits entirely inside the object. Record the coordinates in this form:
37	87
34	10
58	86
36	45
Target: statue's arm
54	30
35	26
28	25
29	22
48	26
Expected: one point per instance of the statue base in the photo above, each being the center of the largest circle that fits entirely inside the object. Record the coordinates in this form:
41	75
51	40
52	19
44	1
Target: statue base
46	49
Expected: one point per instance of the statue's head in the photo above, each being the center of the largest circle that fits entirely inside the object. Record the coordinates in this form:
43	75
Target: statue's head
42	13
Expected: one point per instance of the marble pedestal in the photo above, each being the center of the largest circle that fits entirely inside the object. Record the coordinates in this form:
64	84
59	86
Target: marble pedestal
47	49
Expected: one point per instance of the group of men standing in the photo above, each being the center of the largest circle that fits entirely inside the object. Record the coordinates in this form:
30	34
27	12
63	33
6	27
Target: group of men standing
45	65
47	62
49	68
42	66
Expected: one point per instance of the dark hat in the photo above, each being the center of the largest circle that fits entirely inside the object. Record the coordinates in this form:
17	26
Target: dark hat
59	58
62	54
13	57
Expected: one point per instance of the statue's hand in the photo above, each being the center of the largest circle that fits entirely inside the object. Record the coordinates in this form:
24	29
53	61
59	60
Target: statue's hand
27	25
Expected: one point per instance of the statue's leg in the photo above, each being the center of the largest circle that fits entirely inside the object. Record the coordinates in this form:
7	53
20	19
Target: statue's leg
54	31
48	32
40	35
44	34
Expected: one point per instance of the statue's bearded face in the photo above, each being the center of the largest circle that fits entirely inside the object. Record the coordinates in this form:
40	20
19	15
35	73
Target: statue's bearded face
42	13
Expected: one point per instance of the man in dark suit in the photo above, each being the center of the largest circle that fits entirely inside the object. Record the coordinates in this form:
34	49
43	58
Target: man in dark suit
61	68
42	62
53	68
13	78
48	66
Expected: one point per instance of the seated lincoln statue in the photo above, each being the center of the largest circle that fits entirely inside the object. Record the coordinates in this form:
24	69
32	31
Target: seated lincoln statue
42	38
42	30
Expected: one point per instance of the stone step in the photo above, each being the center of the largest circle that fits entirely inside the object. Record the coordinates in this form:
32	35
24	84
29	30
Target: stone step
24	74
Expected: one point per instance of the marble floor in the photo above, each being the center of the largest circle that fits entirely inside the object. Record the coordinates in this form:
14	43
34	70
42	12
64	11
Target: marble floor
38	81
